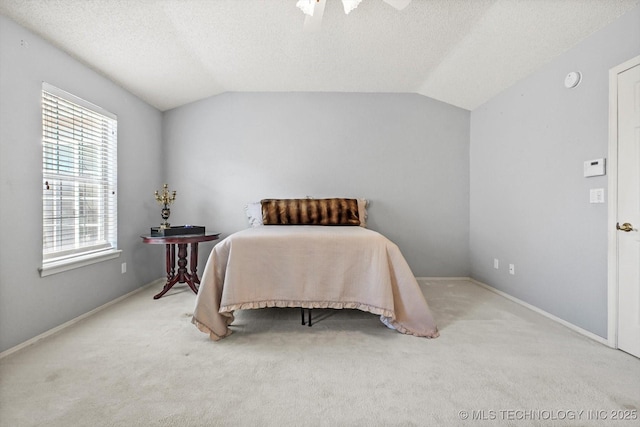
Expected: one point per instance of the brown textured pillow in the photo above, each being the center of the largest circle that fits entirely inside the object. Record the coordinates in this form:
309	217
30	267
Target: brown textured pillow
310	212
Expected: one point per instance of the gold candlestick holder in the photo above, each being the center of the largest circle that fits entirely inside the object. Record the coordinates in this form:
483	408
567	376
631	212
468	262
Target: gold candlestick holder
165	198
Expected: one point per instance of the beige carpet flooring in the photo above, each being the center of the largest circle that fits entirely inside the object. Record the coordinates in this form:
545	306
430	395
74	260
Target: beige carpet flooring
141	362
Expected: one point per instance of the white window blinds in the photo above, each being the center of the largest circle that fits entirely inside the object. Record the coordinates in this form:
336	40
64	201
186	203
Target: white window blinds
79	177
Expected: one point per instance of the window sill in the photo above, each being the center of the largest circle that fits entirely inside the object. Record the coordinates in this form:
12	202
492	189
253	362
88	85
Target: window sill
77	262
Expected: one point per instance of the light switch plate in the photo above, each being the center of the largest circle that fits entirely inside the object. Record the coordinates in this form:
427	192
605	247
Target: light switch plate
596	195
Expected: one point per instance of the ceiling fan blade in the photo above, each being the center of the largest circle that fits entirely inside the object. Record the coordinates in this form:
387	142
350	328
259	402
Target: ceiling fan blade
313	23
398	4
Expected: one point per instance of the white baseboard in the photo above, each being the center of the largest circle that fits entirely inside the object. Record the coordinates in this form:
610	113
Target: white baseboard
75	320
442	278
544	313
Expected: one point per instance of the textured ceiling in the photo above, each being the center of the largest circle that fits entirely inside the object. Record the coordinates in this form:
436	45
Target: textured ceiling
172	52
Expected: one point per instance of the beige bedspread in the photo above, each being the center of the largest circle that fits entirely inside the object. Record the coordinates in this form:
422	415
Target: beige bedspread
311	267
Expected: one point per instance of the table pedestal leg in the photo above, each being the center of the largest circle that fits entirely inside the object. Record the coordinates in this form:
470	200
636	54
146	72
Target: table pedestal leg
193	267
182	276
170	256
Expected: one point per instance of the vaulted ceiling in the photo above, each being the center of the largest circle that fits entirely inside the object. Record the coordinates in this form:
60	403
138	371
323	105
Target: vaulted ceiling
173	52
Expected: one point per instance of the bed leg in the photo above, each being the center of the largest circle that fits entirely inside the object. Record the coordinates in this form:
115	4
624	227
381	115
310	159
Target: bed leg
302	315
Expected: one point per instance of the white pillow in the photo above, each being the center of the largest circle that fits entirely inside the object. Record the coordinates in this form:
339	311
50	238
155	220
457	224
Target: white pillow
362	211
254	214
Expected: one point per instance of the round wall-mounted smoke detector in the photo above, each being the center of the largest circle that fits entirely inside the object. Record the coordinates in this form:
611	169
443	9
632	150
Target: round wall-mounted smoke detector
572	80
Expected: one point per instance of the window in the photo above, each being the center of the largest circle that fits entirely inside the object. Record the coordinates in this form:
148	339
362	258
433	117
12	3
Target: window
79	180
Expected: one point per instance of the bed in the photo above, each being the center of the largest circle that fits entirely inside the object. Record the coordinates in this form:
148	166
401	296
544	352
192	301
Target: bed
307	265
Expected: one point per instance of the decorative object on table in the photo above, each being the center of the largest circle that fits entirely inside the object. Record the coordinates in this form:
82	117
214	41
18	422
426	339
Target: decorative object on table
165	199
177	230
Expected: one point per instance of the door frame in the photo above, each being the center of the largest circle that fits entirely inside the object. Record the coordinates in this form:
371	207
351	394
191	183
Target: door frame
612	262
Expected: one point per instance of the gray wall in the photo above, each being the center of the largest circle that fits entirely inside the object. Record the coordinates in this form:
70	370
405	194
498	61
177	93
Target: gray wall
30	305
407	154
529	199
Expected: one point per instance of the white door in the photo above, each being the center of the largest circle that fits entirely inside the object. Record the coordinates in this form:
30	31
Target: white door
628	218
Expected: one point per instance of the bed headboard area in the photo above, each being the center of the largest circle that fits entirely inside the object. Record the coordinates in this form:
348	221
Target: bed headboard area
334	211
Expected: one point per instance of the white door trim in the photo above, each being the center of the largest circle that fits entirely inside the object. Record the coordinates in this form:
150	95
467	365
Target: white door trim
612	263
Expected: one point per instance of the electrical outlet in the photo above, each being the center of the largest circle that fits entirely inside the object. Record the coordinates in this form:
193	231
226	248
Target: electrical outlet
123	267
512	269
496	263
